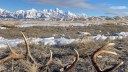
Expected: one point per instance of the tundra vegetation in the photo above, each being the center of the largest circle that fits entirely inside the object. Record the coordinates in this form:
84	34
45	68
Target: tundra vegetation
87	56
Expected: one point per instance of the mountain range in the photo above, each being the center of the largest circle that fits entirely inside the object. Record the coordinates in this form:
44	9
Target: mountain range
45	14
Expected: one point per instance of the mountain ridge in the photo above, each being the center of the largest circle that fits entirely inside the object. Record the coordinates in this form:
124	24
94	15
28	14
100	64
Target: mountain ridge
51	14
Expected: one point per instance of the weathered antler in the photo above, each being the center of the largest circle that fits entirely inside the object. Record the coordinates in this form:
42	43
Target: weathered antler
12	55
98	52
69	67
50	62
28	53
35	64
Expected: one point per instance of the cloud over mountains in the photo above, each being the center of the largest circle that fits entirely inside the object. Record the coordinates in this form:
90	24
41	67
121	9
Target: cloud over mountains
86	4
118	7
66	3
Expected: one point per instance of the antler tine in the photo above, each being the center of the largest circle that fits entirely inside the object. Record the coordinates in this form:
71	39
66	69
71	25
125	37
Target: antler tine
109	45
10	47
48	63
98	52
8	57
113	68
12	55
28	54
117	66
50	60
104	51
106	46
74	62
26	44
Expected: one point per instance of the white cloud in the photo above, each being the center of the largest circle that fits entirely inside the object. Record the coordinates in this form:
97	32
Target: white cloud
117	12
85	4
118	7
67	3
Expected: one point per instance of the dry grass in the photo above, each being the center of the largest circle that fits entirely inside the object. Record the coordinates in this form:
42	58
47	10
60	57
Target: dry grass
68	31
64	55
15	22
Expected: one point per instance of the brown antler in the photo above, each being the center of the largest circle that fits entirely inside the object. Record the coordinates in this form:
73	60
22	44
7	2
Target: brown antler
98	52
12	55
69	67
35	65
28	53
50	62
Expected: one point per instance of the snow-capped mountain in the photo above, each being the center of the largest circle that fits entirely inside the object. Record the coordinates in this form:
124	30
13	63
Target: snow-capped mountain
51	14
20	14
5	13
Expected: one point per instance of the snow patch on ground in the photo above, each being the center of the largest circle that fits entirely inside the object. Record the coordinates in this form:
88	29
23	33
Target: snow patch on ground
99	37
125	34
46	41
58	41
11	42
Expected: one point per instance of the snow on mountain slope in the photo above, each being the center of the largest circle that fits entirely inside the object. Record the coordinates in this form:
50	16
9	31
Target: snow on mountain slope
20	14
31	13
5	13
52	14
1	11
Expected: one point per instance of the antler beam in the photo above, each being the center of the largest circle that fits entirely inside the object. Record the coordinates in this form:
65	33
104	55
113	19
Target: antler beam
98	52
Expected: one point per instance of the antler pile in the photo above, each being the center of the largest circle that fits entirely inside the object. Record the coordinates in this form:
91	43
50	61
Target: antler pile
67	68
35	66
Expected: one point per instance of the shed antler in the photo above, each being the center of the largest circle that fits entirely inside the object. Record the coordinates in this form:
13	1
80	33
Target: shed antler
28	53
66	68
12	55
69	67
50	62
35	64
98	52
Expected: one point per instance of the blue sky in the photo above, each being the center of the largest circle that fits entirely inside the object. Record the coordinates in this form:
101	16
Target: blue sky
90	7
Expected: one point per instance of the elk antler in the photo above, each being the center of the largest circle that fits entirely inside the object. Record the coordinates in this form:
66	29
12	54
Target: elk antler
28	53
12	55
98	52
69	67
35	64
50	62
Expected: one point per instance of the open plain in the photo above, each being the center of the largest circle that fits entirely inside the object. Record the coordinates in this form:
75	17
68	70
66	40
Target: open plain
62	38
